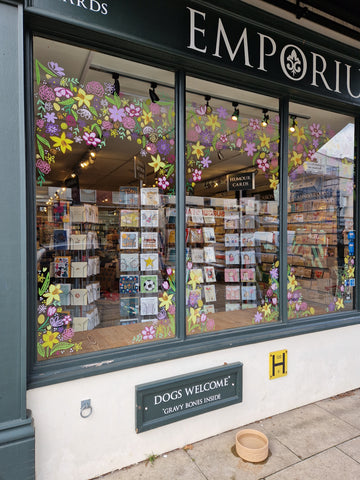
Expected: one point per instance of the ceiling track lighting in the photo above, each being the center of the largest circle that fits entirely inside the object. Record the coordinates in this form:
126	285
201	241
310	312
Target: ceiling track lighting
236	112
154	97
294	123
220	156
115	76
208	109
265	120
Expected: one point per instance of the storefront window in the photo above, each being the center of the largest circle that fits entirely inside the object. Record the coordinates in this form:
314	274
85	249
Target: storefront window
321	237
105	199
232	208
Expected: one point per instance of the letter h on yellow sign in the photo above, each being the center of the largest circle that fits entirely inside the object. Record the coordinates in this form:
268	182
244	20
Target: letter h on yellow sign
278	364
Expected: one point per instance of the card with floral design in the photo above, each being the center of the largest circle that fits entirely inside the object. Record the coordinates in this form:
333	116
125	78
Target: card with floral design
248	292
210	293
247	239
209	274
150	196
197	255
149	261
62	267
129	284
149	305
232	257
129	262
209	235
129	307
247	274
129	218
209	254
231	274
248	257
231	239
232	307
149	240
150	218
232	292
129	240
148	283
209	309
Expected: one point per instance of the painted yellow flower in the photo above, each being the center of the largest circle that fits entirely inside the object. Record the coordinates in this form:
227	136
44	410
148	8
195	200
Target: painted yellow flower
53	294
213	122
265	141
83	98
351	271
274	182
292	283
339	303
156	163
78	346
346	260
198	150
195	278
296	158
299	133
194	313
50	339
40	277
147	117
166	300
266	309
62	142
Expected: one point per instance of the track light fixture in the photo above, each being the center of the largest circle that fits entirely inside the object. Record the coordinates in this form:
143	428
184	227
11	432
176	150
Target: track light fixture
236	113
294	123
208	108
220	156
265	120
153	95
115	76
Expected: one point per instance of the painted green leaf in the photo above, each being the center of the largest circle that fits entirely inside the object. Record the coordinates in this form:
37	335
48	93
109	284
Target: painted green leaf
39	65
97	128
93	111
43	140
41	150
110	100
45	285
170	171
69	101
61	346
41	350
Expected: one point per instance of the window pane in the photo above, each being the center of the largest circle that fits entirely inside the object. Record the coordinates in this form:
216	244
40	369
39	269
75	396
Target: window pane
321	276
232	208
105	167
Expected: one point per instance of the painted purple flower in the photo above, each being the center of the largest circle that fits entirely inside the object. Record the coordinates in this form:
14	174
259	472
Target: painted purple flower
163	183
91	139
52	129
274	273
222	112
41	308
63	92
315	130
258	317
250	136
250	149
56	321
116	114
269	292
162	314
54	67
274	301
148	333
254	123
206	137
274	287
109	88
43	166
133	111
163	147
50	117
332	307
128	122
206	162
315	142
197	175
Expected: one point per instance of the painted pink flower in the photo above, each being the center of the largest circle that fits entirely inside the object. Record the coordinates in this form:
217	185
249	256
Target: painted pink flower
315	130
91	138
172	309
189	265
192	136
63	92
67	319
128	122
46	93
169	271
203	318
43	166
70	120
163	183
210	324
311	154
165	285
197	175
107	125
116	114
148	333
250	149
95	88
263	164
51	311
40	123
151	148
254	123
68	334
133	111
239	142
155	108
223	138
198	128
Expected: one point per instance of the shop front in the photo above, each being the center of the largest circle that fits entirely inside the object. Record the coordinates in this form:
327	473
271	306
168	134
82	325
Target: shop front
186	224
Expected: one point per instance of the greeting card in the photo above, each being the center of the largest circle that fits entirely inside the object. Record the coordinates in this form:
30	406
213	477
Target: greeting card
232	307
150	218
247	221
210	293
129	240
208	214
196	235
248	257
150	196
61	212
62	267
209	254
171	236
231	223
129	218
78	296
149	305
209	309
129	284
148	283
248	305
231	274
196	215
209	235
231	239
60	240
149	261
129	262
209	274
129	307
149	241
232	292
129	196
79	269
232	257
247	274
247	239
197	255
248	292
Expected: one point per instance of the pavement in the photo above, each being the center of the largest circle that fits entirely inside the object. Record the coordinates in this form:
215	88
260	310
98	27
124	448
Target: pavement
315	442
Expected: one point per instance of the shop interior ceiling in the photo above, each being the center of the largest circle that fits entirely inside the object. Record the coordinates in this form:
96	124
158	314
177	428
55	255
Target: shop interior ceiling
114	165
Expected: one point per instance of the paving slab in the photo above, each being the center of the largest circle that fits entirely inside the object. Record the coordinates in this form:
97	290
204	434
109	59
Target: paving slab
351	448
329	465
309	430
345	406
175	465
216	457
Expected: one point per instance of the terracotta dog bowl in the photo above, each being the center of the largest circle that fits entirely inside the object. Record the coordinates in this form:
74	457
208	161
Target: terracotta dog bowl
251	445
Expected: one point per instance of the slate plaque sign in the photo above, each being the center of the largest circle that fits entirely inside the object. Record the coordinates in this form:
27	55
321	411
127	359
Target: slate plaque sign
183	396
